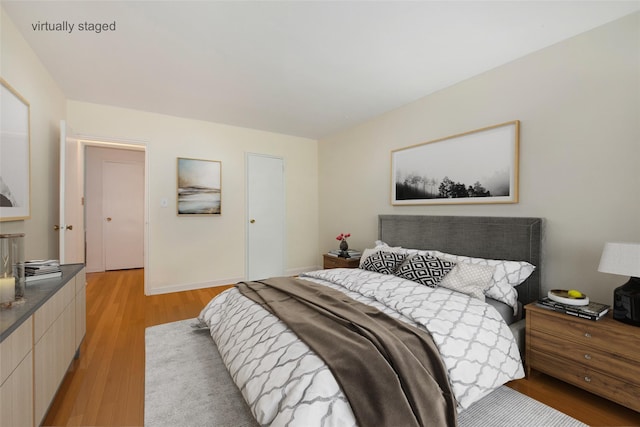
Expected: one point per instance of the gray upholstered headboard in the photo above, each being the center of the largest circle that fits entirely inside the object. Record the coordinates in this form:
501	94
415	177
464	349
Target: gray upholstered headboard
510	238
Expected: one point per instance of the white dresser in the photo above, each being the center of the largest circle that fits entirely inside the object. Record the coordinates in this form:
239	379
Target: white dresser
38	341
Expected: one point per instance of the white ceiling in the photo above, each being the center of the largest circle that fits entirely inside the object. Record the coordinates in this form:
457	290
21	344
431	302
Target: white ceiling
302	68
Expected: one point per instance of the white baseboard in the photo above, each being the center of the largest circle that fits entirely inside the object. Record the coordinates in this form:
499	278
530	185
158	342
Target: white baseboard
193	286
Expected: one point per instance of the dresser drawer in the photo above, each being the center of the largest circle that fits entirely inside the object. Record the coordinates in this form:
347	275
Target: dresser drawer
46	315
14	349
605	334
589	357
596	382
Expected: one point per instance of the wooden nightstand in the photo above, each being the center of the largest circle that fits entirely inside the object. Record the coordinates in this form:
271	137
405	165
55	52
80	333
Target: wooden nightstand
601	356
337	262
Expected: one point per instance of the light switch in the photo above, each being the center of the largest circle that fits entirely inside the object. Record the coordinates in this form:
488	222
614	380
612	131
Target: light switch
164	203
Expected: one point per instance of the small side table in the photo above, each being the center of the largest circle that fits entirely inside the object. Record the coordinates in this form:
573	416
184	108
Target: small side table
337	262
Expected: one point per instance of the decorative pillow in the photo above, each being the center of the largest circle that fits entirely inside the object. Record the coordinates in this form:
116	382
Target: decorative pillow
425	269
380	246
469	279
366	254
383	262
507	275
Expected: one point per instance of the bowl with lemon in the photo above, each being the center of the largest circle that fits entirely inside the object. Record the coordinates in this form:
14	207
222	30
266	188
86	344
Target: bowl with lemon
570	296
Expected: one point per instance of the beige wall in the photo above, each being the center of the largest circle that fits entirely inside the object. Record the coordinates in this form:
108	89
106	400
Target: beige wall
579	107
24	72
188	252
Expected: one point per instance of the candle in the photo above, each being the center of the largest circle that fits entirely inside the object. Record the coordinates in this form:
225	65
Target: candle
7	289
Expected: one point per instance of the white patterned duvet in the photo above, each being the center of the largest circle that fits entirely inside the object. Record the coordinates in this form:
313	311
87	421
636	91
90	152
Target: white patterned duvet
286	384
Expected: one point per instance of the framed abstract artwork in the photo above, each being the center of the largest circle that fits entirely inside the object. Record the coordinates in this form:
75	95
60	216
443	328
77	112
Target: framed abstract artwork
479	166
199	187
15	182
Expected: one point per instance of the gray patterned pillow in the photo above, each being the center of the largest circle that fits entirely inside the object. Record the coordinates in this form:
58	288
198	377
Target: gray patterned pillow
383	262
507	275
469	279
425	269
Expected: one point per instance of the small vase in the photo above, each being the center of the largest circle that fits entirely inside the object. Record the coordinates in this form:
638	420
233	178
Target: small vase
344	247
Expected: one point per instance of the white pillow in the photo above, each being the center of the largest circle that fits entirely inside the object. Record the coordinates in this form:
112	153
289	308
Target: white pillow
507	275
469	279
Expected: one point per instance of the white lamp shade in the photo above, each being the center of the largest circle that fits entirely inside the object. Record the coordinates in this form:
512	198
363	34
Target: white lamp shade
621	258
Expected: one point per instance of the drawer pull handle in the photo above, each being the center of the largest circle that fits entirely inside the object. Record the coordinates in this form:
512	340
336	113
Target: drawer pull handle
587	335
587	356
587	379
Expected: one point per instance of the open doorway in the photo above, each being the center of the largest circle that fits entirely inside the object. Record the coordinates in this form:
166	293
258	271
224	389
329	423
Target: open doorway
73	244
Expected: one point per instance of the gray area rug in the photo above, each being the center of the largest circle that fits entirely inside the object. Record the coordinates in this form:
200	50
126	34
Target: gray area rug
186	384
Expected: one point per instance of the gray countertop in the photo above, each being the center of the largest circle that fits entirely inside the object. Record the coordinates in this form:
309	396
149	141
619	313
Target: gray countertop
36	294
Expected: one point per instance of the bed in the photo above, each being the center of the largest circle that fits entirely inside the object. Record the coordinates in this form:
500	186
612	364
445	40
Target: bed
499	238
305	378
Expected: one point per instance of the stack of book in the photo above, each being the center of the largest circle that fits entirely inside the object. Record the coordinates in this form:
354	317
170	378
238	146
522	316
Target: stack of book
42	269
352	253
591	311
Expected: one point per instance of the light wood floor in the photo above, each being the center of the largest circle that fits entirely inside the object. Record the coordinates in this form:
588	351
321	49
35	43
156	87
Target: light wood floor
105	387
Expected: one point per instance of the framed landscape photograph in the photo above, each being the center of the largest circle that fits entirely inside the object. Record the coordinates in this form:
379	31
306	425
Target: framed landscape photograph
199	187
479	166
15	184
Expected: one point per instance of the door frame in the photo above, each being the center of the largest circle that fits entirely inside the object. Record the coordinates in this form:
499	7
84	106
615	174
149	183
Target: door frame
70	191
122	144
247	209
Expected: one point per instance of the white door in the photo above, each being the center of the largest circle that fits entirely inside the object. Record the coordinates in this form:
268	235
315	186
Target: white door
123	209
71	214
266	216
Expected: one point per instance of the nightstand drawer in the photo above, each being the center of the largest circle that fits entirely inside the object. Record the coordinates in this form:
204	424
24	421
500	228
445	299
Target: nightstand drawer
600	334
337	262
589	357
598	383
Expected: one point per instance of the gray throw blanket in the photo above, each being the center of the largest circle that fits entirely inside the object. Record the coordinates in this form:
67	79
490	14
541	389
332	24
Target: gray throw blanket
391	372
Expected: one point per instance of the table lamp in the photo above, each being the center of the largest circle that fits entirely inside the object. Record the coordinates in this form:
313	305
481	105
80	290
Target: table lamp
624	259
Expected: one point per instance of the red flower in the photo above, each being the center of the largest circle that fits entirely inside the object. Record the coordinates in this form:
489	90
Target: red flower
343	236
